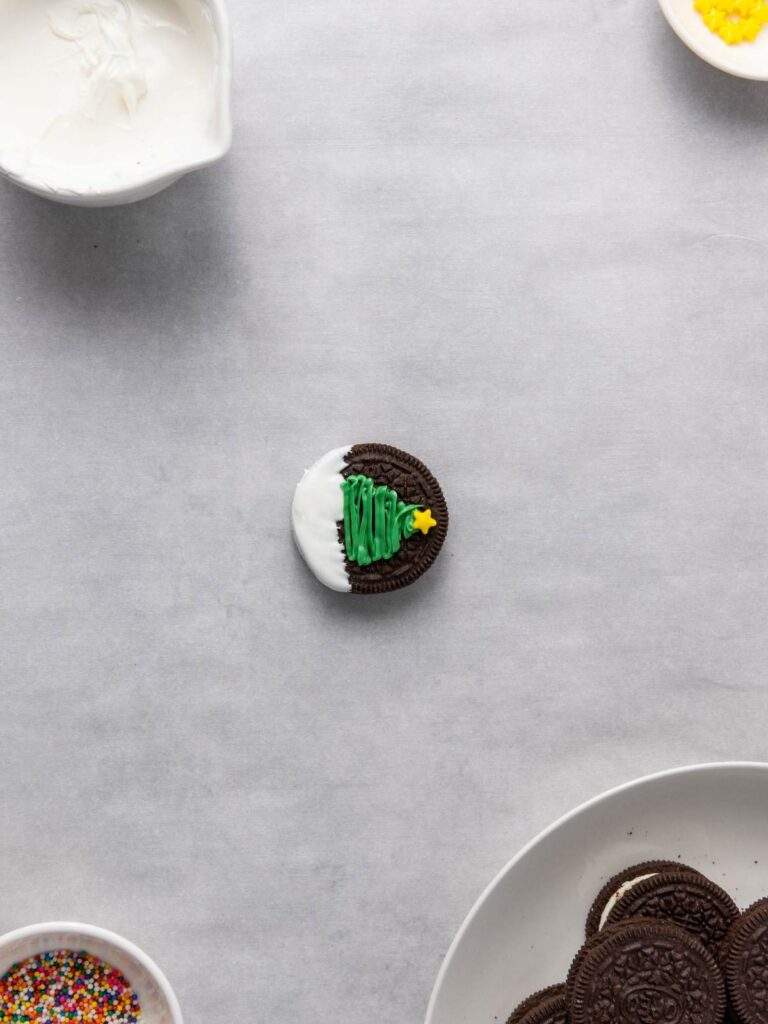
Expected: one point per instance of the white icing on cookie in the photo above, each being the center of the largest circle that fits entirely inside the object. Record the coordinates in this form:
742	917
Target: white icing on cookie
621	891
318	505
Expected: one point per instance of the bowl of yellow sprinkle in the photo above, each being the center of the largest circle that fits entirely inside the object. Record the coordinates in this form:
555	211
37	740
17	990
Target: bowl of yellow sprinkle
732	35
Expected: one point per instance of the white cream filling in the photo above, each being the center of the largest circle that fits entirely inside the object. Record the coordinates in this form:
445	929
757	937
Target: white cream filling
621	891
95	93
318	505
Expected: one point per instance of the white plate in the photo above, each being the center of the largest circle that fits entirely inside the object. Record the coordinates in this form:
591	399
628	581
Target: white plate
746	60
524	930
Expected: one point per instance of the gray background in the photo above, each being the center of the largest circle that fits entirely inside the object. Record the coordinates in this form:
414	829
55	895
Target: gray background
528	243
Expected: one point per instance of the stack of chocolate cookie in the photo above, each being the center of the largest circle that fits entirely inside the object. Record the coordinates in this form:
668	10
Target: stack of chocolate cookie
665	945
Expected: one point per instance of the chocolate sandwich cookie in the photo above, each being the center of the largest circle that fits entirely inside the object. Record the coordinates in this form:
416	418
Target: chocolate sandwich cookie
591	944
686	899
551	1011
369	518
622	882
646	972
746	965
537	1001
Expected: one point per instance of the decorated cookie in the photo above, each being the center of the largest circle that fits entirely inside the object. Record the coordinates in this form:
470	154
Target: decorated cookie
685	898
620	884
645	972
369	518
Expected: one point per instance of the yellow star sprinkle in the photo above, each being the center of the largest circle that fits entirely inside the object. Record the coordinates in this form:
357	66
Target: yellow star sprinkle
735	21
423	520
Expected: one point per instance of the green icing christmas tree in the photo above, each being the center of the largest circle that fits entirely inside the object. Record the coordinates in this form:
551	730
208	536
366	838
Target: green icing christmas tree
376	521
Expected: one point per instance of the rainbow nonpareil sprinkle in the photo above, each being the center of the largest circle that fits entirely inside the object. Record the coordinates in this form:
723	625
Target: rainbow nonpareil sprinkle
66	987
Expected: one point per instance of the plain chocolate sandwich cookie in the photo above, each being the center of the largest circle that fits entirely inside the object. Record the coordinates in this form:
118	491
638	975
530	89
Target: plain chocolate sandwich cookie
547	1006
551	1011
683	898
591	943
369	518
646	972
621	883
746	965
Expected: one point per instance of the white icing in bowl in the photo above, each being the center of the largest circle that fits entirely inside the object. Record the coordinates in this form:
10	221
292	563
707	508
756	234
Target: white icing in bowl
106	101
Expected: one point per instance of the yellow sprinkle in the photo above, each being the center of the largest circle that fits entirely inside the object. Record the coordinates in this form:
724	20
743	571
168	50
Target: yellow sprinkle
735	21
750	29
422	520
730	33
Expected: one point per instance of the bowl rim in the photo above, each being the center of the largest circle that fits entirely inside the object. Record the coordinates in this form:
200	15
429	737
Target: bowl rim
95	932
153	180
607	794
722	64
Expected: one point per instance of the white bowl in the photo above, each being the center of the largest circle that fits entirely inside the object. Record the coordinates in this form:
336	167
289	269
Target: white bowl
745	60
526	927
159	1004
141	186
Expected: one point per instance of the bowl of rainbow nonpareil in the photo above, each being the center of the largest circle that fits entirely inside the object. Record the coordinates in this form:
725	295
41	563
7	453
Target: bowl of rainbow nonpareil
103	102
731	35
62	972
